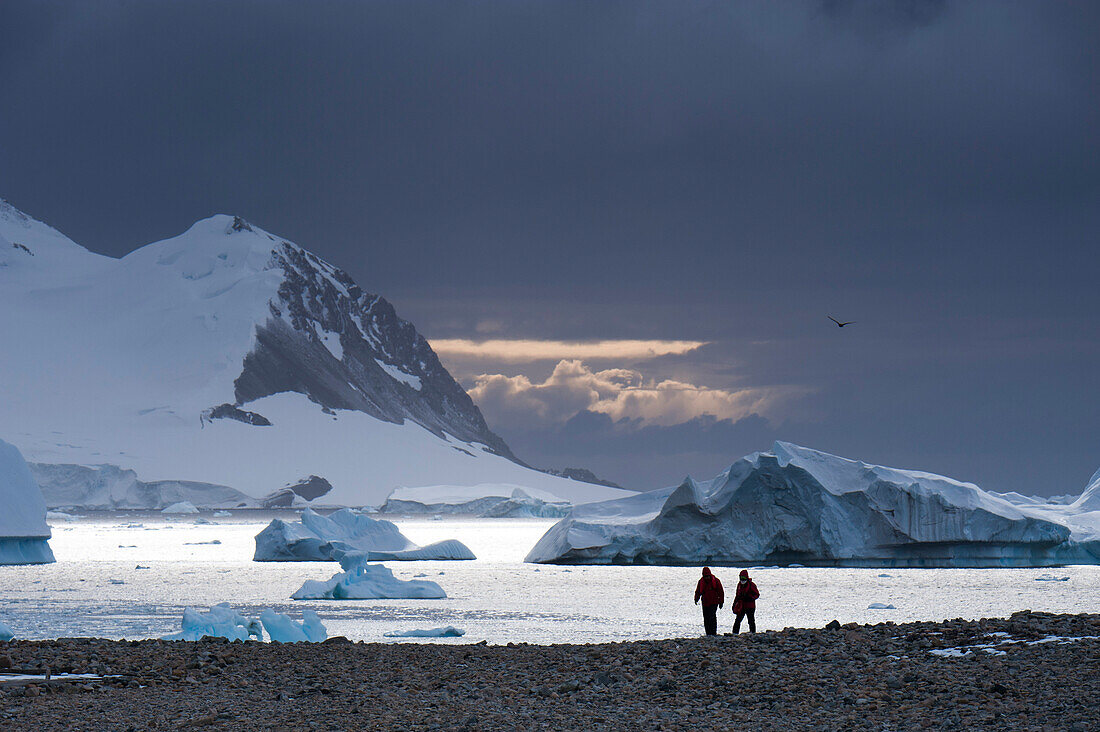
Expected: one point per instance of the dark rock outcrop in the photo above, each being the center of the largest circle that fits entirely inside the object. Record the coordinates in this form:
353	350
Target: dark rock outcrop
348	349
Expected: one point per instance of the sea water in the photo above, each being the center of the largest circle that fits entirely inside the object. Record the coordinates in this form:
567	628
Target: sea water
131	575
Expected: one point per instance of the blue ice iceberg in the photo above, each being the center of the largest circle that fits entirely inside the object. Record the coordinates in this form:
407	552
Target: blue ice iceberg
281	629
220	622
24	533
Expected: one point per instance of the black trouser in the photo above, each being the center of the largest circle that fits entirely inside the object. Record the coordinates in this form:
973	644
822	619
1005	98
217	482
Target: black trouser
751	615
710	619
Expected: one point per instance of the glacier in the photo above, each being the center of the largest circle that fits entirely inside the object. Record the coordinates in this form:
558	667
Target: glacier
107	487
317	538
798	505
221	365
24	533
363	581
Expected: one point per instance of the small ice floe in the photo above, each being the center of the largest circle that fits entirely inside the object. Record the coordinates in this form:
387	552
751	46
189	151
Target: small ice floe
116	582
24	679
1062	639
886	575
222	514
422	574
363	581
796	566
127	546
1003	640
201	520
281	629
6	633
448	632
220	622
60	516
880	606
180	507
1051	578
200	543
141	567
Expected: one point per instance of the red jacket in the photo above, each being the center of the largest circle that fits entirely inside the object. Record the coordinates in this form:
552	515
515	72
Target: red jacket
745	599
710	589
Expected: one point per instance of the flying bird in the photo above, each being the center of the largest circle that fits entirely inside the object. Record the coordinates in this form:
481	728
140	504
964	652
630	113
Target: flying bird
838	323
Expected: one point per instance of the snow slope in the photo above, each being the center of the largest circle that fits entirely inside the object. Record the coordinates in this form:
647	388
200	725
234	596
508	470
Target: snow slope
797	505
24	534
230	357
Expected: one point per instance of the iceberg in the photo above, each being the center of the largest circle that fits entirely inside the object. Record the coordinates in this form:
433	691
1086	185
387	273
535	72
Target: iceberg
448	632
24	533
319	538
6	633
281	629
363	581
220	622
797	505
491	500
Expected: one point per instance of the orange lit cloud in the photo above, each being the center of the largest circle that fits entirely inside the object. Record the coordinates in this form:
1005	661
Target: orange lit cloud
525	351
621	394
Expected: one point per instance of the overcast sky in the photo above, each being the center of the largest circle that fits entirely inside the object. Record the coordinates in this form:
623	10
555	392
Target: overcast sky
623	224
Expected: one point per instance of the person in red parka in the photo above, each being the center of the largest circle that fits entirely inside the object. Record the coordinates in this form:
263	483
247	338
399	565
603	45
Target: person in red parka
744	602
710	591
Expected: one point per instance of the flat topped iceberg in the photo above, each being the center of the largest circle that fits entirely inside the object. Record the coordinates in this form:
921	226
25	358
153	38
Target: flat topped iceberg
24	533
484	499
318	538
447	632
797	505
363	581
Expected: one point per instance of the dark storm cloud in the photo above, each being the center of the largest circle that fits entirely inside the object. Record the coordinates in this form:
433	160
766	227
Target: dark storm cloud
712	171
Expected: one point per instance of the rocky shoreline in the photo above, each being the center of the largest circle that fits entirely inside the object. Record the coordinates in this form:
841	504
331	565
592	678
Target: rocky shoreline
1032	671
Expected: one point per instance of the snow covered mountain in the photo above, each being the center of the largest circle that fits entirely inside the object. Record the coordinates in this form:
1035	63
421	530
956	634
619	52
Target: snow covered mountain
228	358
796	505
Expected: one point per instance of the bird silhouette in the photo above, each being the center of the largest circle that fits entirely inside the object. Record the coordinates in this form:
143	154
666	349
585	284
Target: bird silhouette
838	323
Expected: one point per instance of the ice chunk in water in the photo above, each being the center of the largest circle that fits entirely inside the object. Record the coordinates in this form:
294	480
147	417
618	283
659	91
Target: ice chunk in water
6	633
448	632
282	629
221	622
363	581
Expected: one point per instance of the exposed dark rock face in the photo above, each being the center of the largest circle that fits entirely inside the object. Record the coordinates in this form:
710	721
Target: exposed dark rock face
584	475
348	349
307	489
228	411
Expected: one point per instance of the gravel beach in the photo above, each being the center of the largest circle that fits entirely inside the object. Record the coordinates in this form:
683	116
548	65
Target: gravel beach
1032	671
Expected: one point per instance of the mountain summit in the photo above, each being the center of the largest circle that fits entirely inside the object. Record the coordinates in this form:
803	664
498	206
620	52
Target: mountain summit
231	356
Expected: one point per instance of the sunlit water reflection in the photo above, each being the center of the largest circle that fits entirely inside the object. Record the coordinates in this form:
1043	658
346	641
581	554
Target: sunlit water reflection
96	588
